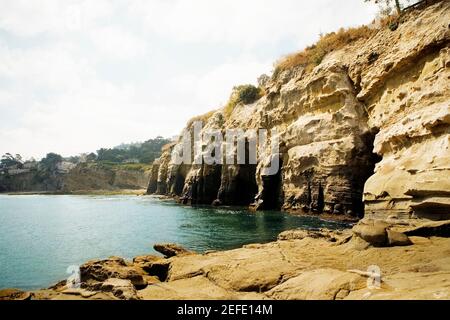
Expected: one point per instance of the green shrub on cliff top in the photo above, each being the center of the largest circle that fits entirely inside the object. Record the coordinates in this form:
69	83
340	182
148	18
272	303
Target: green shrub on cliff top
245	94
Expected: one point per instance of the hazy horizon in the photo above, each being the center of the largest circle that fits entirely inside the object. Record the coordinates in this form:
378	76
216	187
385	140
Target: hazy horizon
82	75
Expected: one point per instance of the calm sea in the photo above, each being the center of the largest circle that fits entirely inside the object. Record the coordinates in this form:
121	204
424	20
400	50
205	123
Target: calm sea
41	236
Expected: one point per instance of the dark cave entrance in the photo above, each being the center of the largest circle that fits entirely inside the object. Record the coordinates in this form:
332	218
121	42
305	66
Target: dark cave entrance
239	186
179	184
272	190
246	186
209	184
205	188
362	173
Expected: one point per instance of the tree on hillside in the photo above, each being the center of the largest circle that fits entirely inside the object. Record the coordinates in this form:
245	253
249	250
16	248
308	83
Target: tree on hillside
145	152
8	160
91	157
50	161
389	4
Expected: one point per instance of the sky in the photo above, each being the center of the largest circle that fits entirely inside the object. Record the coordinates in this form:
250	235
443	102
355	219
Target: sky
78	75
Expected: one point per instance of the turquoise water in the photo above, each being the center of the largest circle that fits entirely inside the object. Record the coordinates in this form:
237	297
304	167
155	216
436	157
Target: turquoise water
41	236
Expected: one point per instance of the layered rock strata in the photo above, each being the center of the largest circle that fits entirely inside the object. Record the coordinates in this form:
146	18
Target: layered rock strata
366	131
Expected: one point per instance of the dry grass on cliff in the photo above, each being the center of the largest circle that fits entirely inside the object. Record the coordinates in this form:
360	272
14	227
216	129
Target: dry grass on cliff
313	55
203	117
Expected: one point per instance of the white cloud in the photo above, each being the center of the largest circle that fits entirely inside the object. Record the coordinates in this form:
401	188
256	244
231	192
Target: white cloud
249	22
112	42
211	90
78	75
52	67
28	18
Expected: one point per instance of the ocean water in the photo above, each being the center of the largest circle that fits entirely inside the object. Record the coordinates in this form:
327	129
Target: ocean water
41	236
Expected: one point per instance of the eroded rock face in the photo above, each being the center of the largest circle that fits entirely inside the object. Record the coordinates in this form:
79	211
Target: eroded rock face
365	132
122	289
328	155
94	272
407	93
325	151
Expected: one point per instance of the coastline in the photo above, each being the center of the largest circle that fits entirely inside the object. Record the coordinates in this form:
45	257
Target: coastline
260	227
295	212
299	265
175	199
137	192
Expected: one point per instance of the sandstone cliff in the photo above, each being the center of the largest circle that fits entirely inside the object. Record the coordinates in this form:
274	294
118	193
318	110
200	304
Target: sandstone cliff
364	132
85	178
81	178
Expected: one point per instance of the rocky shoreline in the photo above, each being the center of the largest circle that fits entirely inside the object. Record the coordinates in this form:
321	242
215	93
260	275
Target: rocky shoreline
374	260
323	216
99	192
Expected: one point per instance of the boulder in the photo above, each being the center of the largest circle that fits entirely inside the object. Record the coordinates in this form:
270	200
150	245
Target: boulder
122	289
371	232
158	268
101	270
379	233
171	250
319	284
143	261
398	239
14	294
